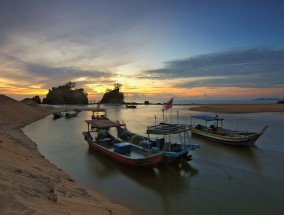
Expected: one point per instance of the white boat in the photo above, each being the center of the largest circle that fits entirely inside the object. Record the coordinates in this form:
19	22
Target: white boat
215	131
70	114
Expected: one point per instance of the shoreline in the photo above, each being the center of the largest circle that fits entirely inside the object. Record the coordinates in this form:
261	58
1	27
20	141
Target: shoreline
239	108
30	184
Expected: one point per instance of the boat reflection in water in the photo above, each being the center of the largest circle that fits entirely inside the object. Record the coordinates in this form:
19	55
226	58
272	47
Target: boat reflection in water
165	180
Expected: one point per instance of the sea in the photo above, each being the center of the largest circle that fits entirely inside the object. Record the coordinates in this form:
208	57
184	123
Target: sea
219	179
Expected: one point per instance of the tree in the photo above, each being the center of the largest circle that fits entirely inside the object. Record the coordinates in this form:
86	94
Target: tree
70	85
117	85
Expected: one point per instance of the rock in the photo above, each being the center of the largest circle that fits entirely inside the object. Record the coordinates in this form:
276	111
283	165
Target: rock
113	97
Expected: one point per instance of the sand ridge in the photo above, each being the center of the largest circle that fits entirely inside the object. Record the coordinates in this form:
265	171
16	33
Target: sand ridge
239	108
30	184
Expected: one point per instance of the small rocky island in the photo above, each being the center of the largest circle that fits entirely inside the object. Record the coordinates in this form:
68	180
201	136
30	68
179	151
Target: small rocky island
113	96
65	94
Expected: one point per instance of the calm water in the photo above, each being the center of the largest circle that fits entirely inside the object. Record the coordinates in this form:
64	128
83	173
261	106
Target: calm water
219	180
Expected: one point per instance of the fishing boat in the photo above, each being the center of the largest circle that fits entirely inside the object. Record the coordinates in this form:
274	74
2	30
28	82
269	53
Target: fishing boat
58	114
131	105
99	113
120	151
70	114
215	131
171	139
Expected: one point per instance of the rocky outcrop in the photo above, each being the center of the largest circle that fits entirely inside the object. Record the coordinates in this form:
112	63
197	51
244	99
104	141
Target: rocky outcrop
66	95
113	97
35	99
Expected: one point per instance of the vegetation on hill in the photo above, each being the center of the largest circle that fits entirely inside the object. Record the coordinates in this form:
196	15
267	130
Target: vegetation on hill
65	94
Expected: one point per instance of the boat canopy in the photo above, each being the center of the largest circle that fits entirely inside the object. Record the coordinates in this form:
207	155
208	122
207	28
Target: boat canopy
103	123
208	118
165	129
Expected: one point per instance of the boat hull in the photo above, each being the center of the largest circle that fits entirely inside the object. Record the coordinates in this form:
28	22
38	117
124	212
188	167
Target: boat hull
130	106
241	141
148	161
169	156
70	115
57	115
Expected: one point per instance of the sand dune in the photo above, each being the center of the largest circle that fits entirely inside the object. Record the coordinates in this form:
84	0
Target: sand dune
29	184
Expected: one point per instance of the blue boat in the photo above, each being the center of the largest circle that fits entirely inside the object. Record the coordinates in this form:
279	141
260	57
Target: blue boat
171	139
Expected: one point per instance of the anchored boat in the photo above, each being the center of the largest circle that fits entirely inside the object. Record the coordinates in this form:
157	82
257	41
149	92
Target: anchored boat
121	151
215	131
58	114
171	139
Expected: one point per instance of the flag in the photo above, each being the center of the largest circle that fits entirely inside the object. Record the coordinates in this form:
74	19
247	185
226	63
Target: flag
169	104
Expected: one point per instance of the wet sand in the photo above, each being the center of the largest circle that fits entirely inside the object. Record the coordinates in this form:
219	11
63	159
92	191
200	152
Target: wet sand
239	108
30	184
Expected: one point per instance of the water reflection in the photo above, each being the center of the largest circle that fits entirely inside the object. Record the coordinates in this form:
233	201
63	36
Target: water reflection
172	177
212	183
225	155
167	180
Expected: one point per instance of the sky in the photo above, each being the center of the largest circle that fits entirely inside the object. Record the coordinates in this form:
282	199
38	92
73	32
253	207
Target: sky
157	49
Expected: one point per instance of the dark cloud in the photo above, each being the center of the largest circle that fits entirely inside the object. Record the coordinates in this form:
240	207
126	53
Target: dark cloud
46	75
257	67
57	76
62	72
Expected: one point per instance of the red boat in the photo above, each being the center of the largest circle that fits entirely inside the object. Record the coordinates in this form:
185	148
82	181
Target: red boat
123	152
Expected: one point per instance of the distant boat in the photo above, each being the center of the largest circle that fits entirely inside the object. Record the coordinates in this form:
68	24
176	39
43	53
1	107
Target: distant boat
174	143
132	105
120	151
77	110
99	113
57	115
219	134
70	114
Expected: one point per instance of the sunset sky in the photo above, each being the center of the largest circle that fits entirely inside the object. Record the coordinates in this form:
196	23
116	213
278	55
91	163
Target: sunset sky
192	50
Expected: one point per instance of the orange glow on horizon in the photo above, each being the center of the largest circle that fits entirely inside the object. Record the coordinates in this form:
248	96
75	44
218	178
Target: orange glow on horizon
152	91
24	91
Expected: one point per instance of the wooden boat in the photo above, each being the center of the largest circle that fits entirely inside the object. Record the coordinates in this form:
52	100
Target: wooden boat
123	152
132	105
99	113
57	115
167	144
215	132
70	114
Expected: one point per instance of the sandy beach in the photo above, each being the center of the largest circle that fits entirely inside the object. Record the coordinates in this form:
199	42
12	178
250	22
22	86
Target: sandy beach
30	184
239	108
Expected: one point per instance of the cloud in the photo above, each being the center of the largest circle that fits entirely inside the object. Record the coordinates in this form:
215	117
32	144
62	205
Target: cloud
24	73
82	30
57	76
61	73
256	67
